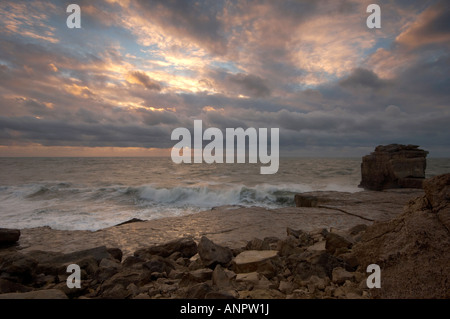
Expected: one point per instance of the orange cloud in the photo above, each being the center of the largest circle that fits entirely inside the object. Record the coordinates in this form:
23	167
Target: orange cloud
38	150
82	91
429	27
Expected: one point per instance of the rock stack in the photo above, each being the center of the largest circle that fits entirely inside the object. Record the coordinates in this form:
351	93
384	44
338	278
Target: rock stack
393	166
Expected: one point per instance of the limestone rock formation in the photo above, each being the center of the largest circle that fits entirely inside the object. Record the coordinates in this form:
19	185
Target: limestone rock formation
393	166
412	250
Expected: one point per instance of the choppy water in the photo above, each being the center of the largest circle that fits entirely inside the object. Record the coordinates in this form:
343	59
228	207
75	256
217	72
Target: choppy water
94	193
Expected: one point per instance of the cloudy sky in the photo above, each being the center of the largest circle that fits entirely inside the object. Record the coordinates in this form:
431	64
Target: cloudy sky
138	69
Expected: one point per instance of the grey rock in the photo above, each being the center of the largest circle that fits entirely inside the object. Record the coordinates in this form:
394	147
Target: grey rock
158	264
311	263
340	275
200	275
288	246
335	241
222	277
97	253
18	266
198	291
185	246
7	286
304	238
212	254
115	253
9	236
257	244
263	261
305	200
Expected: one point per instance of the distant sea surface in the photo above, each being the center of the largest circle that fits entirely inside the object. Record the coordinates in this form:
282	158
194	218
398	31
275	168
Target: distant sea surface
94	193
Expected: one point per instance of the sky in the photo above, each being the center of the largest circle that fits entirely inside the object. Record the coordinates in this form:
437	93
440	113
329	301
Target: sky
136	70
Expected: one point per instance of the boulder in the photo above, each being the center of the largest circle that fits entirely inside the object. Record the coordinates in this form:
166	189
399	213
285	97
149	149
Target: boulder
319	246
222	277
185	246
9	236
305	200
248	278
288	246
7	286
257	244
158	264
110	263
97	253
335	242
133	262
262	261
198	291
212	254
198	275
115	253
340	275
393	166
304	238
286	287
18	266
318	263
316	283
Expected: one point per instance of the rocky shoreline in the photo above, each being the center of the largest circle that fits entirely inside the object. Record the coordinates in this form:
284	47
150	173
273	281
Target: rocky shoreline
296	252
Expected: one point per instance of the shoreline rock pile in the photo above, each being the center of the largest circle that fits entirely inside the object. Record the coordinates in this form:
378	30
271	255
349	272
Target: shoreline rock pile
393	166
302	265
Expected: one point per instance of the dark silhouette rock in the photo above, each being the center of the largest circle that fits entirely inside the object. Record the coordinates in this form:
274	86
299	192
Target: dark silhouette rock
393	166
212	254
9	236
185	246
302	200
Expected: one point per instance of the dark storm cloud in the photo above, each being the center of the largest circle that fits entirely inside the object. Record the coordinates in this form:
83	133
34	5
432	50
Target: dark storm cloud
158	117
56	133
251	84
239	83
197	21
428	79
362	78
145	80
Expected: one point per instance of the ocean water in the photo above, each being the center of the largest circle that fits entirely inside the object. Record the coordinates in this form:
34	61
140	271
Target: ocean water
94	193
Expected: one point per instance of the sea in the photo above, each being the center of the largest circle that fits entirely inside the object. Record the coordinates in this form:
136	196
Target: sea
95	193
